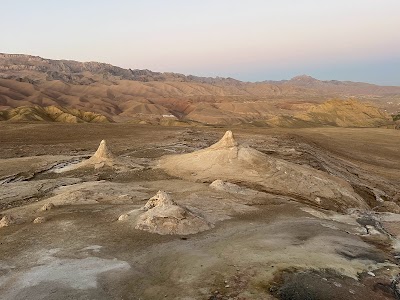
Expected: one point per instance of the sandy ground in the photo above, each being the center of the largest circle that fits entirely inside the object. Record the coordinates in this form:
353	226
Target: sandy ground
261	246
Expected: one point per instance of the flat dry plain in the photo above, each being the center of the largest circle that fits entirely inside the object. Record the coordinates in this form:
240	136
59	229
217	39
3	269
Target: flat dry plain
261	245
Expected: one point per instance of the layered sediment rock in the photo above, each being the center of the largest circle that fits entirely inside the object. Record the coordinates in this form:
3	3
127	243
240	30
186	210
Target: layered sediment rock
229	161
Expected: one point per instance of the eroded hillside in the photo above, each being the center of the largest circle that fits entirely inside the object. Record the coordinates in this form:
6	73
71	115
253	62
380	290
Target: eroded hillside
338	113
51	114
146	96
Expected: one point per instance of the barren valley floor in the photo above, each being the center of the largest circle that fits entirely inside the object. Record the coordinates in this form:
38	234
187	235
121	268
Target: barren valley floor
260	244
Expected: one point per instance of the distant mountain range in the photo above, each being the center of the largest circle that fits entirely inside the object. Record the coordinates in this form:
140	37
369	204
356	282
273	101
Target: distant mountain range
354	88
147	96
35	68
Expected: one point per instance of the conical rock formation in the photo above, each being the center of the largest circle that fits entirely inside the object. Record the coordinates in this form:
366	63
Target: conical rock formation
102	153
227	141
229	161
163	216
102	157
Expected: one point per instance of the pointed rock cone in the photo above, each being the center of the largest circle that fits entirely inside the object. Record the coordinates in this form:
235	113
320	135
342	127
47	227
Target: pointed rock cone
103	152
227	141
102	157
213	161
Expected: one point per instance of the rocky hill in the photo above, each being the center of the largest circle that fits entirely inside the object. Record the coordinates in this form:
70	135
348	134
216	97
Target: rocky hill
51	114
338	113
142	95
35	69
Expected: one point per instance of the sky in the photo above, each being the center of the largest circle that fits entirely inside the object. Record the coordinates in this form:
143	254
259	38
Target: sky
251	40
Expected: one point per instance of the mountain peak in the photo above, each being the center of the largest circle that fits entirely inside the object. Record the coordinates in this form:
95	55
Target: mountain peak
304	78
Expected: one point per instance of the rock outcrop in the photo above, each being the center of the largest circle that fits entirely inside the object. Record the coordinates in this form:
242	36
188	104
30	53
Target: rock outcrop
47	207
163	216
229	161
6	221
39	220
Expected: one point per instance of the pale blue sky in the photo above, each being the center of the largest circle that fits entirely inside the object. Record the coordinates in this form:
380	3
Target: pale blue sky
252	40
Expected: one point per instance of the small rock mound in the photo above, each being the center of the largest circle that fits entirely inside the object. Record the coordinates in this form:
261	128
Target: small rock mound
123	217
6	221
39	220
47	206
160	199
163	216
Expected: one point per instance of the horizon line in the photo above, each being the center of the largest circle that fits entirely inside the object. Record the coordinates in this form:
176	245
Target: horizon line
202	76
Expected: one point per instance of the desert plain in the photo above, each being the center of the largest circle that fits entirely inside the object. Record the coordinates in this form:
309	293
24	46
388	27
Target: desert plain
200	150
323	221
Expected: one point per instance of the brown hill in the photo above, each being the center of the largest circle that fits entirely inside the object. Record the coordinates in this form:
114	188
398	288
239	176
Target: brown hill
350	113
125	99
153	97
51	114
